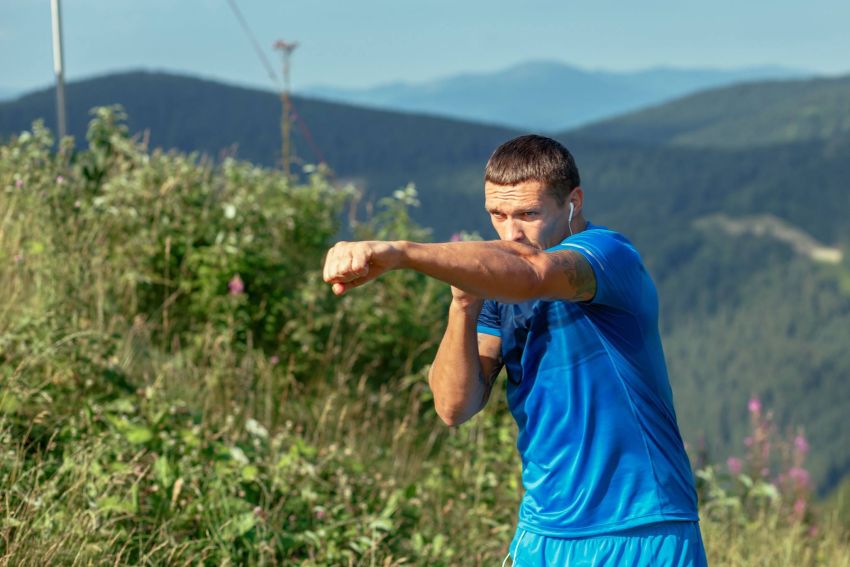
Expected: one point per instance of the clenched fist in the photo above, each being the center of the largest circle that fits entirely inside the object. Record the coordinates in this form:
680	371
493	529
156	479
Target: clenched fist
351	264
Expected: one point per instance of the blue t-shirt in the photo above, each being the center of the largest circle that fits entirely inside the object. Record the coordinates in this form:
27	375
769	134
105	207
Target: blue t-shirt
588	387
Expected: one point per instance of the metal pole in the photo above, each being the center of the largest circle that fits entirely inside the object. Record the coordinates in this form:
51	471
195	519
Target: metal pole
57	67
286	49
287	115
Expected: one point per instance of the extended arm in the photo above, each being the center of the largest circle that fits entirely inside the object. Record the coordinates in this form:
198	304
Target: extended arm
466	365
507	271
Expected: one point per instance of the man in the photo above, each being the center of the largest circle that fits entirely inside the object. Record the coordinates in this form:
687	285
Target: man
569	309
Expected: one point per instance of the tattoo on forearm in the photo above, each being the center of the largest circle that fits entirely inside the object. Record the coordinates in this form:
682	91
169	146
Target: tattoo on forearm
579	274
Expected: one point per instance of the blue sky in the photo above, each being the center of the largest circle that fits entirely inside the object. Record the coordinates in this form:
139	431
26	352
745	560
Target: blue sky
349	43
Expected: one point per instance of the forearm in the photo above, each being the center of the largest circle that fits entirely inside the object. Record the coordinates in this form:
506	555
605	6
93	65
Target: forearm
456	379
506	271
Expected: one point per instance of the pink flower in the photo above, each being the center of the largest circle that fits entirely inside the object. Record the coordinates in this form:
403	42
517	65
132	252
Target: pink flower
18	258
754	405
813	531
748	441
320	514
799	507
455	237
19	183
236	285
60	179
800	476
801	445
274	360
734	464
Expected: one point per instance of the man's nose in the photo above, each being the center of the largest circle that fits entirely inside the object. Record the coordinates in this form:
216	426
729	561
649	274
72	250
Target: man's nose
514	232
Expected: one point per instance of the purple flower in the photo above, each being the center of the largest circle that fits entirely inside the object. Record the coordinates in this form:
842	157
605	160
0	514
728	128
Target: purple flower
800	476
754	405
236	285
734	464
801	445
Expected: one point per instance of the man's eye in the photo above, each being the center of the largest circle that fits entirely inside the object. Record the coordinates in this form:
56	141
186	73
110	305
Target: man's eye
528	214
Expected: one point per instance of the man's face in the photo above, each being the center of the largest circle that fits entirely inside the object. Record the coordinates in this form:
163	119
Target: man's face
526	213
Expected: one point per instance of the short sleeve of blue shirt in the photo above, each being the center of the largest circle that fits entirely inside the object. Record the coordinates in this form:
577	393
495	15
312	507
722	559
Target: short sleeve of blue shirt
489	321
616	265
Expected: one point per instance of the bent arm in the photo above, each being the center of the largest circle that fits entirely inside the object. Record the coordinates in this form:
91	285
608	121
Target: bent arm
465	368
506	271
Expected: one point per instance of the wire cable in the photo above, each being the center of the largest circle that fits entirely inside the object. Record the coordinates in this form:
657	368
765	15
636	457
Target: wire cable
256	44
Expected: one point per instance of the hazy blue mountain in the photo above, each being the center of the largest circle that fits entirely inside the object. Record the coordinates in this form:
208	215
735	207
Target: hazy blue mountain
8	94
545	96
740	116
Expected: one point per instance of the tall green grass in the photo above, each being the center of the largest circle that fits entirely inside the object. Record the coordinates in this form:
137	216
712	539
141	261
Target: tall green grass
179	386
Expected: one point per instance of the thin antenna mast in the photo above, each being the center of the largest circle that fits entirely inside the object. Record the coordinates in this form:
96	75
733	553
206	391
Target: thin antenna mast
57	67
286	49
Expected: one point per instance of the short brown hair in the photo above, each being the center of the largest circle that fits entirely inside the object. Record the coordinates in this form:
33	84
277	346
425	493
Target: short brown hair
534	158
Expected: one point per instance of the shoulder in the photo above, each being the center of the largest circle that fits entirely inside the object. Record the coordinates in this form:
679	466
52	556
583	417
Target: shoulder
602	247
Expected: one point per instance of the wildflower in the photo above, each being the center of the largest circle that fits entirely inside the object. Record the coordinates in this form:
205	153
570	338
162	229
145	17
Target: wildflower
455	237
19	258
274	360
799	507
77	204
320	514
60	180
236	285
800	476
734	464
754	405
254	427
19	183
748	441
801	445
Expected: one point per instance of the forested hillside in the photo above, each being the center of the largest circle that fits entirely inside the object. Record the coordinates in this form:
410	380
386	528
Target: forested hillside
740	117
742	315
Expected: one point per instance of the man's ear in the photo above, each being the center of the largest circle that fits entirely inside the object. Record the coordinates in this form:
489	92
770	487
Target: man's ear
577	199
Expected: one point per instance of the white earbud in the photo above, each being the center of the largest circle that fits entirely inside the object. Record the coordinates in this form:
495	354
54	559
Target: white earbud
570	220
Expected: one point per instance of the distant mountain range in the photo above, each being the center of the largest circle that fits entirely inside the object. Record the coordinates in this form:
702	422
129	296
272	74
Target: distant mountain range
8	94
545	96
720	191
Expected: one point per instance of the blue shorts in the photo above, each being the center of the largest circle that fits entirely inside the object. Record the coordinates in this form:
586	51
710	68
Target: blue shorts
669	544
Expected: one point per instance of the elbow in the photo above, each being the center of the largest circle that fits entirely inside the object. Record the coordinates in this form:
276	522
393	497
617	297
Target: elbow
452	412
451	418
